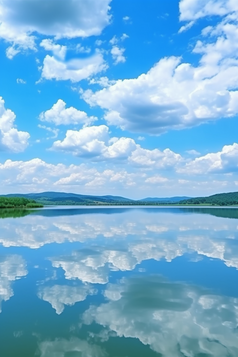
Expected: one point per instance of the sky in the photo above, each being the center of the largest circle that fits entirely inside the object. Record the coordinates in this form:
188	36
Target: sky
133	98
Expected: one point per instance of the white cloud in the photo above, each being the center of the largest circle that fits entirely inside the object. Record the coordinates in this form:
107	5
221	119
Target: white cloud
60	296
177	95
82	49
102	81
172	95
117	54
191	10
156	180
21	18
35	175
60	115
225	160
89	141
155	158
126	18
124	37
94	142
193	152
74	70
21	81
114	40
186	27
58	50
10	138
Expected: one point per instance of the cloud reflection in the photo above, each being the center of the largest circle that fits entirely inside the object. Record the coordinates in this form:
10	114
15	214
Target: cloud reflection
12	267
73	347
174	319
60	295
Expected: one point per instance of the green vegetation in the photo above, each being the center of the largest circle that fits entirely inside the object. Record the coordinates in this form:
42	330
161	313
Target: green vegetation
222	199
18	202
34	200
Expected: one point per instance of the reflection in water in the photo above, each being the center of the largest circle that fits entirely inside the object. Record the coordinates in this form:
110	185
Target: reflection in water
72	348
94	283
136	235
174	319
14	213
60	295
12	267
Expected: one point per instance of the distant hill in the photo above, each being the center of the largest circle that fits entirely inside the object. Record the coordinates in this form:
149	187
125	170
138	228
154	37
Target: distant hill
165	199
63	198
221	199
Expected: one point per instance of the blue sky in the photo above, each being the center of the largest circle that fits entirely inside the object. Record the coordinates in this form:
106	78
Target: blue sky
137	98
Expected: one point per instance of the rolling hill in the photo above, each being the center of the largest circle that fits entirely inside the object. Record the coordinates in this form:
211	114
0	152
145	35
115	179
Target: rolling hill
220	199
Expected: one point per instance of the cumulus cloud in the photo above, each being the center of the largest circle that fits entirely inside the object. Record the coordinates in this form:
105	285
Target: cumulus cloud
151	309
35	175
102	81
117	54
60	296
20	19
223	161
94	142
60	115
174	94
196	9
74	70
58	50
10	138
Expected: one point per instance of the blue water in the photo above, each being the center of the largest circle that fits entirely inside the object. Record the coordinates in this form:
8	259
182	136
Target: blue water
119	282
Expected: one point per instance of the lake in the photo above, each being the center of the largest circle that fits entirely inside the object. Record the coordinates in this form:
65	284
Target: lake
119	282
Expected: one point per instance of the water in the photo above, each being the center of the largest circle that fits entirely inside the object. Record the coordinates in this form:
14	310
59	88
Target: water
118	282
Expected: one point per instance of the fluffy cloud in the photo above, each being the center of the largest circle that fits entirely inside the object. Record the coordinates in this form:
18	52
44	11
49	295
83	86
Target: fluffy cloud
74	70
196	9
10	138
36	174
117	54
12	267
175	94
60	115
94	142
151	309
56	18
58	50
172	95
224	161
60	295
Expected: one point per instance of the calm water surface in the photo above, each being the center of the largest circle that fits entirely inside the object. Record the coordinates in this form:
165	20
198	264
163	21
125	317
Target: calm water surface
119	282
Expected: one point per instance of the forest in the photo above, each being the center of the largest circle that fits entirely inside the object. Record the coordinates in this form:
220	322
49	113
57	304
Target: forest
221	199
18	202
